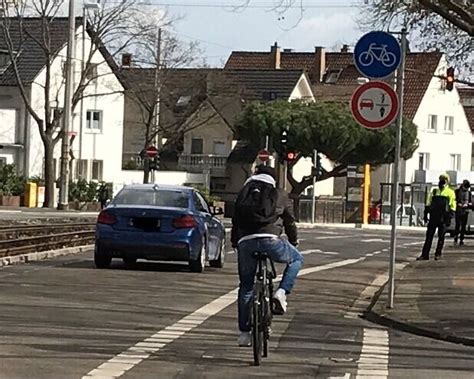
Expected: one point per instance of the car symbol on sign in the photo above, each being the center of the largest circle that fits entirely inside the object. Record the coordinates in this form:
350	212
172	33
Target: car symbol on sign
366	103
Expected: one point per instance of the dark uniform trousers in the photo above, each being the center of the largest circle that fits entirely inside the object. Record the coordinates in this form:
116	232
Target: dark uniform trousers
430	232
461	223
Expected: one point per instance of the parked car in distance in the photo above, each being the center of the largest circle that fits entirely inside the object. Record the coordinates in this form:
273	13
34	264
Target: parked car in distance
405	212
155	222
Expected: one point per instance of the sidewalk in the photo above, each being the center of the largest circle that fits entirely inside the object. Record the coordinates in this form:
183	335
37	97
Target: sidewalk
433	298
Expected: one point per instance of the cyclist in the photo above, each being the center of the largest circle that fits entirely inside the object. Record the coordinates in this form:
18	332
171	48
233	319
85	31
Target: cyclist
261	213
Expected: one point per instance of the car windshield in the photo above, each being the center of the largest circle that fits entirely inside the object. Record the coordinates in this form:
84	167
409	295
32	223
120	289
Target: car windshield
157	198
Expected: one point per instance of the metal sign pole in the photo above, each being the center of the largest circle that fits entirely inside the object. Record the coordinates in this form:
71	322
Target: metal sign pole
313	200
393	237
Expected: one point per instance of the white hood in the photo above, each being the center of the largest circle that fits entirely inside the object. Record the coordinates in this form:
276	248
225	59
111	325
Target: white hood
262	178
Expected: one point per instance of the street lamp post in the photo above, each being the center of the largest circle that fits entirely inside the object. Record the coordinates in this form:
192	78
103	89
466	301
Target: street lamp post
64	180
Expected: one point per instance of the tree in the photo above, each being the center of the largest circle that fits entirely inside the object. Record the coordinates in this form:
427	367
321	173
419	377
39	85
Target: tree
327	127
31	25
446	25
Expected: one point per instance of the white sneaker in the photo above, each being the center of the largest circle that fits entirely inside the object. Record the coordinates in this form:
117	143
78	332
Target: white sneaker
279	302
245	339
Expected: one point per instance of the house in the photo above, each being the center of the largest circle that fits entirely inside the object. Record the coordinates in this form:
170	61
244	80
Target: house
97	121
443	131
198	110
467	100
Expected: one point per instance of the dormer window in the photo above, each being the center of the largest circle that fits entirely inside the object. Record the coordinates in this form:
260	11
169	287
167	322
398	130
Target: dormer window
4	60
183	101
269	95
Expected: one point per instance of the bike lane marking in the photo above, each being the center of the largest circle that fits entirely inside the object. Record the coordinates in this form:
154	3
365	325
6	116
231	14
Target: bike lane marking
373	361
128	359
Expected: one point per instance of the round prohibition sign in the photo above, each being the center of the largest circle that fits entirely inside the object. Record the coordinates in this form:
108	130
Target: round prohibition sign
374	105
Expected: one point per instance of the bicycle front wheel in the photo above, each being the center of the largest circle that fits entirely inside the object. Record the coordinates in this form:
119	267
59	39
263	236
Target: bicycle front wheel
257	330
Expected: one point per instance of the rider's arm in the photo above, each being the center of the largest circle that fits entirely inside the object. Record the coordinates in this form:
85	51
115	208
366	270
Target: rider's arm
289	219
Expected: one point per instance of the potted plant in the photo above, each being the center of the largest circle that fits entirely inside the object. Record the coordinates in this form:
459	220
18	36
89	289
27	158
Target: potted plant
12	186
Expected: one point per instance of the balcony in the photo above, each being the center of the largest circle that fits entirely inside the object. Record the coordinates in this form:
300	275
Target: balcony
200	162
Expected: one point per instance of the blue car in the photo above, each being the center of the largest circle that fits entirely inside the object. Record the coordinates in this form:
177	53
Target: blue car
155	222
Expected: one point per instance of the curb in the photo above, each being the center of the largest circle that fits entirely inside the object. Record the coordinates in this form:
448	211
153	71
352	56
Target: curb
374	317
42	255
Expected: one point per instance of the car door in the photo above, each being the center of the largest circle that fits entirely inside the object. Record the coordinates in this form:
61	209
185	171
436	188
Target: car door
211	227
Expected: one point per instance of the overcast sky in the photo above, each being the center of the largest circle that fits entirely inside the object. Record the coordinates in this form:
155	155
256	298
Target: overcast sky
220	30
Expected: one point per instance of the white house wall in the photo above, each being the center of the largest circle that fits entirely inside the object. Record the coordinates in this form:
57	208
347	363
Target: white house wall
441	144
103	145
303	168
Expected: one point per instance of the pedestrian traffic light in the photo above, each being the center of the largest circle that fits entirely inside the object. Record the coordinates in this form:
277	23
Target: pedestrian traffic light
290	156
155	162
318	169
450	78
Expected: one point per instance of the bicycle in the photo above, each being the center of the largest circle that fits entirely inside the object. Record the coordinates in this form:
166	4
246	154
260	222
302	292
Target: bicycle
379	53
261	306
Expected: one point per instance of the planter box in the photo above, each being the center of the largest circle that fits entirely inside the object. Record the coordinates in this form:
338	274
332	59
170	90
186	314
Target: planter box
93	207
10	201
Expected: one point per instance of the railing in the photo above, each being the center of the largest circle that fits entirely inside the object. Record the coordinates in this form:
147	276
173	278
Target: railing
198	162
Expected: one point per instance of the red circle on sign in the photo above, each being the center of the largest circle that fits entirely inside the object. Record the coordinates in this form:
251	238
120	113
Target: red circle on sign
263	155
390	115
151	151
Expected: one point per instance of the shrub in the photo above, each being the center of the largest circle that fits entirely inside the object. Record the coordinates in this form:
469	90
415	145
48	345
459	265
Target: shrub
11	183
83	191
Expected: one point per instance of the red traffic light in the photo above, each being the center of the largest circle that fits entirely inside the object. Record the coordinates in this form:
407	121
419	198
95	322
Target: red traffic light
450	78
291	155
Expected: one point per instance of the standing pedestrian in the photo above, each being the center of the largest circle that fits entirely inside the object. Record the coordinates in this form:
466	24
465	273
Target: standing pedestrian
440	207
463	205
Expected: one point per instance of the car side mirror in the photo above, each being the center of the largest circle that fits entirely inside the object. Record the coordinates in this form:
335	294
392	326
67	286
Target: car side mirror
217	211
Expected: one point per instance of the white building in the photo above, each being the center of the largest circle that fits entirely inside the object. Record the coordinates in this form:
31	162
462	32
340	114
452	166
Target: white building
97	125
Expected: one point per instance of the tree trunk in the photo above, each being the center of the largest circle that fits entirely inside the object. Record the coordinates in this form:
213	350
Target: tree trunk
146	170
295	196
49	178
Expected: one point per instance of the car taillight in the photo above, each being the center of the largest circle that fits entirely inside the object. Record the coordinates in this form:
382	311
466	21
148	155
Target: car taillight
184	222
106	218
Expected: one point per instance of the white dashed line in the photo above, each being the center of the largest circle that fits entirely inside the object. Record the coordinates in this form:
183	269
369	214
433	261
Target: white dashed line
125	361
374	240
373	361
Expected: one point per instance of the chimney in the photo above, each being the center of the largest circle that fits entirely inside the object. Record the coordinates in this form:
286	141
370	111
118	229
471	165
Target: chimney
345	48
319	67
275	56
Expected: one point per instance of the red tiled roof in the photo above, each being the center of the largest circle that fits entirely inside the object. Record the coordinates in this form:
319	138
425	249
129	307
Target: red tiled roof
420	68
467	94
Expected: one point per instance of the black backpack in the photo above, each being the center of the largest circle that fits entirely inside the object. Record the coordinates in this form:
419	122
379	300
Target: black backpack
256	204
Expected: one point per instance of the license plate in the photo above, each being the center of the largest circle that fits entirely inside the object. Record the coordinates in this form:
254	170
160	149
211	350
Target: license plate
146	223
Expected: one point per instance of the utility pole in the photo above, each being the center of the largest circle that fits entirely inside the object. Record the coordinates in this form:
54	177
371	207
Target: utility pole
396	168
64	180
313	199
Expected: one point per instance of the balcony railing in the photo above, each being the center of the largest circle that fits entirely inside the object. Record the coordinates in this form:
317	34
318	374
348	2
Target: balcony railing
200	162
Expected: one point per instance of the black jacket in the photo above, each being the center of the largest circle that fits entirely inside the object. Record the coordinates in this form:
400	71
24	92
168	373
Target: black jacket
285	221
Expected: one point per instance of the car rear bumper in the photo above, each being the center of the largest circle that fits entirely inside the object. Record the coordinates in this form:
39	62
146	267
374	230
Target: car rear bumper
171	247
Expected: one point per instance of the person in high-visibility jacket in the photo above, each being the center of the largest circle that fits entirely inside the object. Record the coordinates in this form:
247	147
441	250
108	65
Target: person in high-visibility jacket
440	207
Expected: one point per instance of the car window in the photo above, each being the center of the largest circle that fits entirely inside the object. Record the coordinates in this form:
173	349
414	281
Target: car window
201	204
158	198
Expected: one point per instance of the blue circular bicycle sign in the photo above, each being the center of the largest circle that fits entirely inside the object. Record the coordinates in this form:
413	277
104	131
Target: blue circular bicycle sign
377	55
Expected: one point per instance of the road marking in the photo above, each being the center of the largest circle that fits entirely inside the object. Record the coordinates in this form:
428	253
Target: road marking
331	237
363	301
373	361
142	350
374	240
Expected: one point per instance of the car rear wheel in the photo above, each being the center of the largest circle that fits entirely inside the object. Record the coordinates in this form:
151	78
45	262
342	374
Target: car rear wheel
101	259
219	262
199	264
129	261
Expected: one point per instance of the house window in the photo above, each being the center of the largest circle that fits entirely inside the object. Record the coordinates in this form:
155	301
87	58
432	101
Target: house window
455	162
432	123
219	148
81	168
197	146
4	60
448	124
91	73
270	95
332	76
424	161
97	168
94	120
3	161
183	101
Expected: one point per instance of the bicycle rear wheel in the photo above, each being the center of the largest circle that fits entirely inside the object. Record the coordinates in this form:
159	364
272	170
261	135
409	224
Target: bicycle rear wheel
257	330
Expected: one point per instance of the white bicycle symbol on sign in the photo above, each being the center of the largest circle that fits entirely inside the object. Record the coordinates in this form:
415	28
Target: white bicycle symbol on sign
379	53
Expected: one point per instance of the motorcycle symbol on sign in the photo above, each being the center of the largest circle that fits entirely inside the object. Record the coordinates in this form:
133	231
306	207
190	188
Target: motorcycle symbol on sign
379	53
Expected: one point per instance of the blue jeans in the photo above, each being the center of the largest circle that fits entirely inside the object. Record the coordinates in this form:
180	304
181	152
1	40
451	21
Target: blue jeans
280	251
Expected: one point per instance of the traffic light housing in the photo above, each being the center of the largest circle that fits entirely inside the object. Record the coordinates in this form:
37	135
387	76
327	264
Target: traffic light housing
283	139
317	167
155	162
450	78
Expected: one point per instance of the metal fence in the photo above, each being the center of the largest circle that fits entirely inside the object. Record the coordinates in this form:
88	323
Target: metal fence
327	210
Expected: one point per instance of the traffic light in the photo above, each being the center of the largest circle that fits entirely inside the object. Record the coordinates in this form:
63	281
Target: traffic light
155	162
450	78
291	156
317	169
283	138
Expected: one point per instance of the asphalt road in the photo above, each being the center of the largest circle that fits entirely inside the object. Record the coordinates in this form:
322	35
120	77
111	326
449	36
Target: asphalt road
63	318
